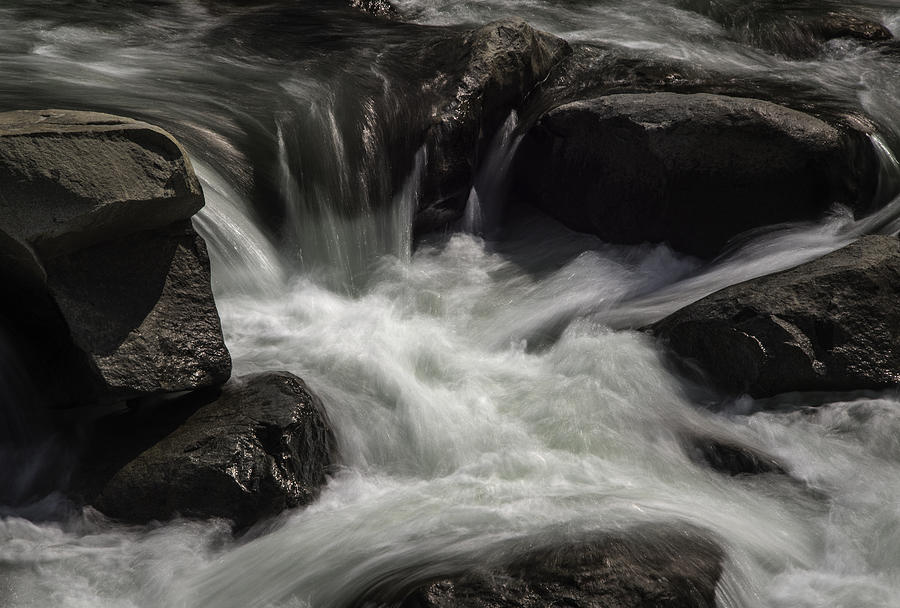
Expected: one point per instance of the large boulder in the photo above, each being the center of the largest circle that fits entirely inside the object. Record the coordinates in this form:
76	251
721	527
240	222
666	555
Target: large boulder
830	324
646	566
74	179
108	291
482	76
265	444
693	170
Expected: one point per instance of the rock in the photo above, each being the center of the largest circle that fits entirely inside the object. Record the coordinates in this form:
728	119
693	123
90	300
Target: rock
483	76
141	308
377	8
828	325
73	179
795	30
693	170
730	457
648	566
263	445
112	285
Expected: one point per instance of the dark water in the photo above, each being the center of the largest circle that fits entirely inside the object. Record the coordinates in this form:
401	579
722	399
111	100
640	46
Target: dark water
485	394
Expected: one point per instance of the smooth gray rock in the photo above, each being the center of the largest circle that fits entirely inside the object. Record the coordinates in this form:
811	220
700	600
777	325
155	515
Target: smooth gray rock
693	170
265	444
72	179
647	566
483	75
107	286
832	324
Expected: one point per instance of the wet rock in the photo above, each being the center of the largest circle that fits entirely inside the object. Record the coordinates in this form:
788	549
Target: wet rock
795	30
112	286
648	566
484	75
378	8
263	445
692	170
831	324
730	457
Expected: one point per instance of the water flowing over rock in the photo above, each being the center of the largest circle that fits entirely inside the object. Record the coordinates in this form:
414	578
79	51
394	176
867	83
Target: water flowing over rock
692	170
647	567
113	286
830	324
493	70
263	445
796	30
730	457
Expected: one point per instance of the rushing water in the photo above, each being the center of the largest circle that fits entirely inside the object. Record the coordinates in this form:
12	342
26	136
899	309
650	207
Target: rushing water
485	394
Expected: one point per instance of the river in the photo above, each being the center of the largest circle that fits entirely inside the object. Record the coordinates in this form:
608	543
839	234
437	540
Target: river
484	393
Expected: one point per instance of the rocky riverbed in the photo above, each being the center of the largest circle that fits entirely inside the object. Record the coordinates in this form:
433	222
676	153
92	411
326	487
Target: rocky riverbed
517	317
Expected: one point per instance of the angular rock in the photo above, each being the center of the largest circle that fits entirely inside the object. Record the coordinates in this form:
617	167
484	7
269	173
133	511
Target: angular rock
73	179
107	286
486	73
642	567
831	324
693	170
265	444
141	309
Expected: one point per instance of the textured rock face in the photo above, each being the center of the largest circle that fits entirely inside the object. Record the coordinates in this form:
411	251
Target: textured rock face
692	170
647	567
73	179
111	284
830	324
142	310
263	445
488	72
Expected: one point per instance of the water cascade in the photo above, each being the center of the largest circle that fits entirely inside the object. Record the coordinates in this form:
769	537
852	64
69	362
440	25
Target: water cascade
489	386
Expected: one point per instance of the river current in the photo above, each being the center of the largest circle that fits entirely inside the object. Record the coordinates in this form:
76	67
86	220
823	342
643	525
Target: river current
486	394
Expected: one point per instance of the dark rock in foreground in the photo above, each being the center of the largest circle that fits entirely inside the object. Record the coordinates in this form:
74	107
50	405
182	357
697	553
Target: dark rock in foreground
832	324
107	286
692	170
262	446
484	75
640	568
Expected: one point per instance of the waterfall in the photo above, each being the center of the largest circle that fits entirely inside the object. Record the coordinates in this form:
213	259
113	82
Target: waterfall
489	386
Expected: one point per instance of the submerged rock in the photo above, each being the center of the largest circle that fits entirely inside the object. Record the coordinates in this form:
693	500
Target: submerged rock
832	324
484	75
642	567
693	170
112	285
731	457
795	30
263	445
